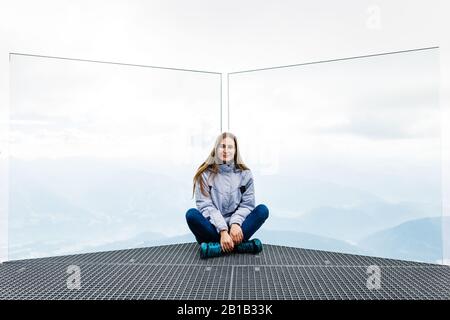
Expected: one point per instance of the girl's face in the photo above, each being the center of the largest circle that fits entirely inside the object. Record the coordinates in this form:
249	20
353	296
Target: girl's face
226	149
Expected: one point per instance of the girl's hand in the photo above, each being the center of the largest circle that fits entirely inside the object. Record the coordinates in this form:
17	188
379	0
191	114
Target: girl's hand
236	233
226	242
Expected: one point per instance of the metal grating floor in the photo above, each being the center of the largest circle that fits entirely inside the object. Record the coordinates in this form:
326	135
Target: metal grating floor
177	272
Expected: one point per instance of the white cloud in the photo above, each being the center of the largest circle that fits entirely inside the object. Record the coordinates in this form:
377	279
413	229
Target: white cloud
63	108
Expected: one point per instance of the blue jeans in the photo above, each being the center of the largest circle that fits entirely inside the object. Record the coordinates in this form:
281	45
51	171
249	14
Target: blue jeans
204	231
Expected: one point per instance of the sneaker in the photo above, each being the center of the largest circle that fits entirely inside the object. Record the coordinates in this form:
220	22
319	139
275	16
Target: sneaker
210	250
250	246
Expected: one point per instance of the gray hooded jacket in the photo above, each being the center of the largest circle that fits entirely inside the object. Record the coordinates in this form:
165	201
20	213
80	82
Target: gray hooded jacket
231	196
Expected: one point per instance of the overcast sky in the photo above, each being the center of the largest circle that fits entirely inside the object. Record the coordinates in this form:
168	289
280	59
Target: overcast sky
378	116
64	108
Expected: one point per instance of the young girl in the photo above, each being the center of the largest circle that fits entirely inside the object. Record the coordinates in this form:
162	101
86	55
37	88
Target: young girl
226	216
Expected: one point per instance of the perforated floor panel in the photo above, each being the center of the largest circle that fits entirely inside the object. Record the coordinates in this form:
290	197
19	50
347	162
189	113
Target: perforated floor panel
177	272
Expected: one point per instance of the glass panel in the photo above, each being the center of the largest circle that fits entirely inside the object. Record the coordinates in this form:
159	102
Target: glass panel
445	147
346	154
102	155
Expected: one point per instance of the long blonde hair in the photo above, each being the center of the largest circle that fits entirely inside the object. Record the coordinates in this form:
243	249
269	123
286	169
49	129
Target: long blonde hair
212	162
